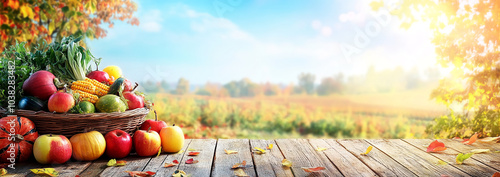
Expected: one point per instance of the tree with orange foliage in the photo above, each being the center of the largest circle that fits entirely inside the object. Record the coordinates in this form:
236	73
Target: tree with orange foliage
467	39
38	20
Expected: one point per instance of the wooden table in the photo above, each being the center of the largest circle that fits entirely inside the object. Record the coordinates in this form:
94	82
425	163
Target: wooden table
393	157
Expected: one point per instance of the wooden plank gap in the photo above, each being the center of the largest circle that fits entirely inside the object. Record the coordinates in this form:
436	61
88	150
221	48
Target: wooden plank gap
213	158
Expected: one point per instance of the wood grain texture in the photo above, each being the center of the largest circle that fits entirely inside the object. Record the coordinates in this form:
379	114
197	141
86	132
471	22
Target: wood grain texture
157	164
418	162
347	164
269	164
96	167
302	154
490	159
377	160
68	169
205	158
223	162
134	163
471	166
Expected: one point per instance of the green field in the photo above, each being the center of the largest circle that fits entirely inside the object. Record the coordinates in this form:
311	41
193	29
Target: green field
391	115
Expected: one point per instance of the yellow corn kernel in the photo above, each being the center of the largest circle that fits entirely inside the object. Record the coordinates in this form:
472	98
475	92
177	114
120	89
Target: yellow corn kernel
84	96
96	83
84	86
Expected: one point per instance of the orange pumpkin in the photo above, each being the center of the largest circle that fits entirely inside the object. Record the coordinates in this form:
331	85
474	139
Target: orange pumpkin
88	146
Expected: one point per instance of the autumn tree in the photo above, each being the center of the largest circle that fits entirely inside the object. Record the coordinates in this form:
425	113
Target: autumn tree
306	83
466	36
37	20
182	87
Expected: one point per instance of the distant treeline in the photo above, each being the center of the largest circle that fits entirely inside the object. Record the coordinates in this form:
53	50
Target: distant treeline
389	80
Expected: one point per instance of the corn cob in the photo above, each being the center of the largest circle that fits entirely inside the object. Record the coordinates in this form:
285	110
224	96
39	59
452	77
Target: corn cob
84	96
84	86
101	89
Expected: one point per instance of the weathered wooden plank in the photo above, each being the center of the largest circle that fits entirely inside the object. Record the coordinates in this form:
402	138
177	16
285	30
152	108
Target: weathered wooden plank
223	162
23	168
68	169
471	167
347	164
96	167
489	159
379	162
417	161
134	163
205	158
269	164
156	164
302	154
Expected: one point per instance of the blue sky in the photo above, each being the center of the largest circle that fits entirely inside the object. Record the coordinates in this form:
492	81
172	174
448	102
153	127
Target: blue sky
264	40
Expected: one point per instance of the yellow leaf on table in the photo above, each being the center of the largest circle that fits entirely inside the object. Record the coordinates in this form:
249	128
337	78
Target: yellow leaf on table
259	150
159	152
45	171
179	173
230	151
3	171
367	150
462	157
270	146
240	172
286	163
180	152
440	162
319	149
479	151
114	163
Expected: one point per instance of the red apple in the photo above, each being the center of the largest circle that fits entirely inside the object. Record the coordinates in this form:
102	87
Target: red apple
61	102
40	84
146	143
118	144
134	101
156	125
127	85
52	149
100	76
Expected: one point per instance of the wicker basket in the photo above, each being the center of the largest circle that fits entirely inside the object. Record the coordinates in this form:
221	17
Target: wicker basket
71	124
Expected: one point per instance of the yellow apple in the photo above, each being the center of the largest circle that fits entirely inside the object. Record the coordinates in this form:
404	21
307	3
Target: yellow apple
172	139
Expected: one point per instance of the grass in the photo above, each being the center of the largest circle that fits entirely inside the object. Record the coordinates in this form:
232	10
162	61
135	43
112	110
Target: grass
396	115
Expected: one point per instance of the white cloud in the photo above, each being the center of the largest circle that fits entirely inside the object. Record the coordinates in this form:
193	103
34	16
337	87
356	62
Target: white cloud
326	31
352	17
151	21
316	24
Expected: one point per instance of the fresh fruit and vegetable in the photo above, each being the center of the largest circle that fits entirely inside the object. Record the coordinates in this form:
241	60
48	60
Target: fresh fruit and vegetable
53	73
88	146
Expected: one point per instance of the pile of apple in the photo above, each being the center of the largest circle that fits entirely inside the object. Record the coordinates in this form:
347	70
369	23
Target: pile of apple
57	149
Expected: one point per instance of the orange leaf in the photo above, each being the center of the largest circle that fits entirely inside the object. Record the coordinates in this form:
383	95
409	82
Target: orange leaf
141	173
169	165
471	140
436	146
121	163
270	146
240	165
315	169
191	161
193	153
497	174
